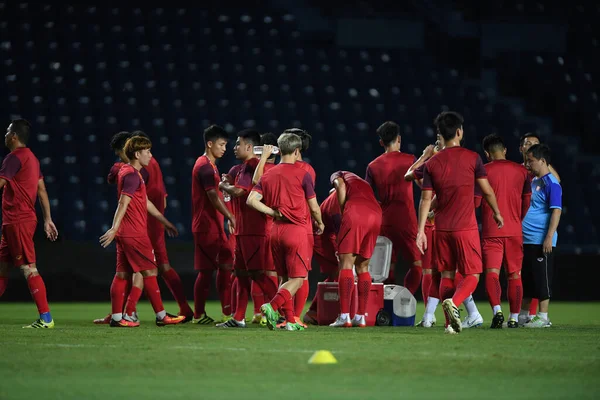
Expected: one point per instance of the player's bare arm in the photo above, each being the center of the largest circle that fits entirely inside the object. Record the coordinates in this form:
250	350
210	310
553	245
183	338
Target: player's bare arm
553	172
3	182
232	190
315	212
490	198
169	227
254	201
424	207
49	227
110	234
552	227
427	153
217	203
340	188
260	168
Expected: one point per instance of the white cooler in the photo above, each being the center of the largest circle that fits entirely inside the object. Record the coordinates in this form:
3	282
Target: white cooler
399	307
379	265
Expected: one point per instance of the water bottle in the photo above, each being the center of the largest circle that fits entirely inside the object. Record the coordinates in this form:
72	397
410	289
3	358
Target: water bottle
226	196
259	150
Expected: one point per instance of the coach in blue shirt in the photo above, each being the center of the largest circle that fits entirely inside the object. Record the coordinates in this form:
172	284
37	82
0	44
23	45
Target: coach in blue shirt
539	233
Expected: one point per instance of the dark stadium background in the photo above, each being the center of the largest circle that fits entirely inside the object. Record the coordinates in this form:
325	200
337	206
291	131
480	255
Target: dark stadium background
83	72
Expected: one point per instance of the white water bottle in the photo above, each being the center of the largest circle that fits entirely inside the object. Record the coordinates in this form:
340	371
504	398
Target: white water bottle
259	150
226	196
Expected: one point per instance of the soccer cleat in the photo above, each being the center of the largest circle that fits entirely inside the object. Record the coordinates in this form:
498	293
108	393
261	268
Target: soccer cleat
342	322
232	323
103	321
168	320
131	318
310	318
188	317
453	314
123	323
299	322
523	319
497	321
39	323
281	325
271	315
293	327
449	330
472	321
224	318
537	322
203	320
426	323
359	321
257	318
512	324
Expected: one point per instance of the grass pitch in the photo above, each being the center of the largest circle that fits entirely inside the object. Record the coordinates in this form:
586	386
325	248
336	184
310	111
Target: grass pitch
79	360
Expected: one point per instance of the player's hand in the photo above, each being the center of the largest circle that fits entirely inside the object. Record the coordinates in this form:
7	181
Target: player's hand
499	220
267	151
222	185
547	246
428	152
225	178
277	215
50	230
320	228
108	237
230	229
171	229
422	242
231	223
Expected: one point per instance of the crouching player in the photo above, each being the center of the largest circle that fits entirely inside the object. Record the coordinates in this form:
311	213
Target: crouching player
134	250
356	240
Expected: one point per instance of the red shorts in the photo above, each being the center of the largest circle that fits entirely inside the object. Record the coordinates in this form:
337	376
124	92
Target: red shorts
427	258
16	246
459	250
503	251
403	241
134	254
211	250
157	238
252	253
324	252
289	244
358	232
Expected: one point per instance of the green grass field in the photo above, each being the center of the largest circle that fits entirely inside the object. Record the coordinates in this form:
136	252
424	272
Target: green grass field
79	360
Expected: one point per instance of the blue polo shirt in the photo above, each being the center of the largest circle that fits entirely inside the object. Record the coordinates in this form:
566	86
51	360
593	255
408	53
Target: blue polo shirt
546	194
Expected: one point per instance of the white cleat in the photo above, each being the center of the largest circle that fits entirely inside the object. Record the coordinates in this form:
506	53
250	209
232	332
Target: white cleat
523	319
427	323
449	330
359	321
342	322
537	322
232	323
472	321
453	314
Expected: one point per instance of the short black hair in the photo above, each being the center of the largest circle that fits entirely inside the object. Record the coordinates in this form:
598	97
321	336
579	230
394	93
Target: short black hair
447	123
268	138
22	128
388	132
117	143
539	151
140	133
250	136
214	133
305	136
528	135
492	143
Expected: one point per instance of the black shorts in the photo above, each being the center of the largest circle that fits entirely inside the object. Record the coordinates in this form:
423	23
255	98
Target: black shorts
537	272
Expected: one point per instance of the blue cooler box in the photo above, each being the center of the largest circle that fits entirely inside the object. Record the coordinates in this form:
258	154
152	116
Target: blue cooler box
400	305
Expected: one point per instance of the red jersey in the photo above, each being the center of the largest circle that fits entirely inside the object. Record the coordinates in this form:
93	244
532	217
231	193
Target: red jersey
205	217
451	174
249	221
113	174
286	188
21	169
313	175
331	214
385	174
513	190
359	194
155	188
130	183
418	173
233	171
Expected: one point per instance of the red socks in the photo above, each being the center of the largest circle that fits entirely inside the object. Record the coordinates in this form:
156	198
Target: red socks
515	295
412	280
38	292
117	294
258	297
201	288
533	306
434	288
458	278
446	288
3	284
300	298
132	300
171	278
345	287
234	286
153	292
243	290
364	288
493	289
269	285
465	289
224	290
283	301
425	285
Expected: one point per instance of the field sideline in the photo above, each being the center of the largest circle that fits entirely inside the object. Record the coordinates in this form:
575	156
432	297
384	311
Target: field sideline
79	360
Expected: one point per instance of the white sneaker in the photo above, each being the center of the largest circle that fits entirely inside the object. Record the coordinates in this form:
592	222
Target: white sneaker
232	323
472	321
131	318
523	319
359	321
342	322
449	330
538	322
453	314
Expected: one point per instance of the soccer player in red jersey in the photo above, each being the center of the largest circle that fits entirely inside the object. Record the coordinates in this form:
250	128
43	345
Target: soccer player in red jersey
212	249
385	174
286	190
504	247
356	240
325	250
134	250
22	181
252	261
452	174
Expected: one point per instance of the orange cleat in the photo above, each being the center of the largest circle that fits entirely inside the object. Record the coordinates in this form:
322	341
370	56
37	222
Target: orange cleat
123	323
103	321
170	320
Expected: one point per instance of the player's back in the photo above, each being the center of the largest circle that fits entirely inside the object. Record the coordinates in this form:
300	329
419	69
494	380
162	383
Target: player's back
205	217
21	169
510	182
131	183
331	214
359	193
155	185
386	175
452	174
308	168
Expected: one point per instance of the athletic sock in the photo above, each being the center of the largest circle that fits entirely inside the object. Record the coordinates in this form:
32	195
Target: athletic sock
132	300
493	289
345	287
300	298
37	288
234	286
117	294
470	306
434	288
533	307
432	304
364	288
243	289
153	293
446	288
543	315
224	290
173	281
425	284
269	285
201	288
412	279
515	295
467	286
283	301
258	297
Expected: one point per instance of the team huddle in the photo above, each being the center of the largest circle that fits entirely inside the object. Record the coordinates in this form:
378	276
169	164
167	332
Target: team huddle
275	227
